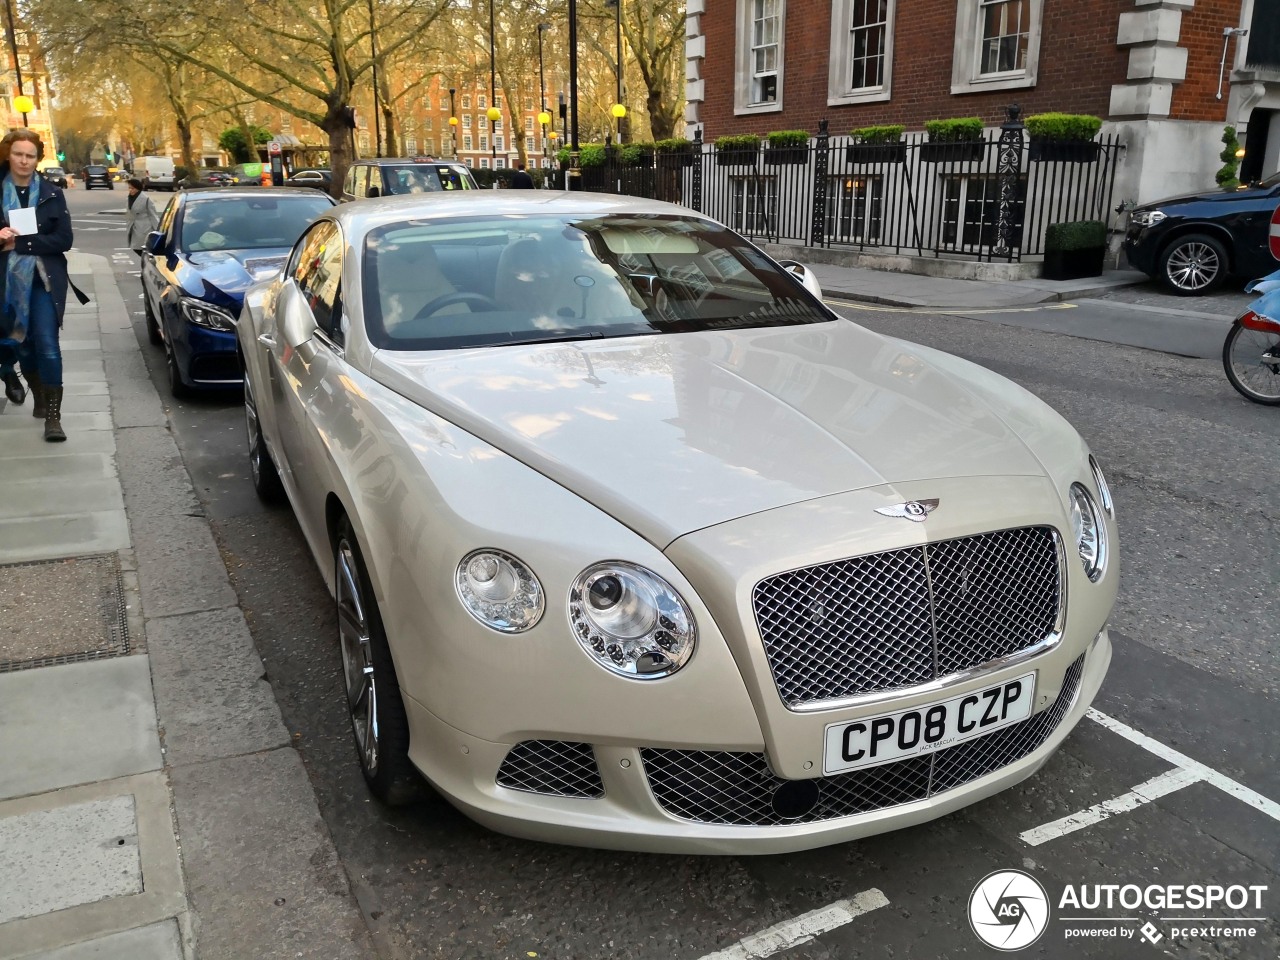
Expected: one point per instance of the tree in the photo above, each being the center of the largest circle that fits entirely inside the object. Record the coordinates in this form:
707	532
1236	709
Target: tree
232	140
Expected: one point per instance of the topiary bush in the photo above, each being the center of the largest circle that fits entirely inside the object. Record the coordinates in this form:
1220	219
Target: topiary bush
955	130
1063	126
1226	177
887	133
788	138
1075	235
738	141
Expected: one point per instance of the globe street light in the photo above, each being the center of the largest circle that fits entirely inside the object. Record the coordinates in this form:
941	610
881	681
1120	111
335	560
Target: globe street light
617	69
493	113
17	65
453	122
543	117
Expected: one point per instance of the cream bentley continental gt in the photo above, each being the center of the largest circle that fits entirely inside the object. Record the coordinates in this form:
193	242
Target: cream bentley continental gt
636	544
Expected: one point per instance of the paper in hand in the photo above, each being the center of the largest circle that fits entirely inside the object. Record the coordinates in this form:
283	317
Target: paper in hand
23	219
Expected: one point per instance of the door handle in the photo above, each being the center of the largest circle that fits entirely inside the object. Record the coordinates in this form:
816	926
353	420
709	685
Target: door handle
266	339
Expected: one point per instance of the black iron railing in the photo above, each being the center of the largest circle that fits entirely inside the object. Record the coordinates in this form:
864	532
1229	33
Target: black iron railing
988	199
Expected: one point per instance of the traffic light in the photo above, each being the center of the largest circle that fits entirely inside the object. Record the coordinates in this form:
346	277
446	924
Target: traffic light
110	156
62	156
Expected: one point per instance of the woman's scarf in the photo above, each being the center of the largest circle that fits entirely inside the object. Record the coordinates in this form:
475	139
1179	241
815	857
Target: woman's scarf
19	276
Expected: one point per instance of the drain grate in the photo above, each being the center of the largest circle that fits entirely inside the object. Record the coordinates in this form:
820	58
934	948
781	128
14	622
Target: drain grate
62	611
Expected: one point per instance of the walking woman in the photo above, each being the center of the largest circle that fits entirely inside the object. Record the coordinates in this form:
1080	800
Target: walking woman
140	218
33	271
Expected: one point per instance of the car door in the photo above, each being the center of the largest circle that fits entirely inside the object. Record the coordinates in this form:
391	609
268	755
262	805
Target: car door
1251	228
304	361
157	269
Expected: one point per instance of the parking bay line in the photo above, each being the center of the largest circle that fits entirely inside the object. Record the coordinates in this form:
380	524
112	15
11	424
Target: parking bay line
802	929
1186	772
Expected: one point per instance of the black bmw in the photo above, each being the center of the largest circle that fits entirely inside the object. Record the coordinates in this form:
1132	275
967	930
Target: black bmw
1192	244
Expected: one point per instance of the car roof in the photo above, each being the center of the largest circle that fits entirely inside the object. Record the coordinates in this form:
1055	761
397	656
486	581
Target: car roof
403	161
248	193
362	215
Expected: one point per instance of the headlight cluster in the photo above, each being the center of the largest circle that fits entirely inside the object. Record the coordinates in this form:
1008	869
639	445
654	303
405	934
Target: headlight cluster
1090	532
206	315
1148	218
626	618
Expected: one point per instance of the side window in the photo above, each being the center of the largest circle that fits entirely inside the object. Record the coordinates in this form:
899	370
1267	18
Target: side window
375	180
166	219
349	187
319	276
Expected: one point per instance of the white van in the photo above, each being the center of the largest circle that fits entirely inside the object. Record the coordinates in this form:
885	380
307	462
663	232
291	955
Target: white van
155	172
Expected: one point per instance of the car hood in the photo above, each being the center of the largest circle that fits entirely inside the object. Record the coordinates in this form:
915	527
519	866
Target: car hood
671	434
1212	196
222	276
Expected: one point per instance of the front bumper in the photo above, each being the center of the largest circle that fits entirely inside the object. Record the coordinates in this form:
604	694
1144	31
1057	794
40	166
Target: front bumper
209	357
1141	247
628	813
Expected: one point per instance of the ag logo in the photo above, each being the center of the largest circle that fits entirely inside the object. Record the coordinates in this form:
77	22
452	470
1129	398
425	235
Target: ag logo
1008	910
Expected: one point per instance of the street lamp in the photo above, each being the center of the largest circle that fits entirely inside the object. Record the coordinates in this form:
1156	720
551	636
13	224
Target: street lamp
618	110
573	92
21	103
453	122
543	117
493	113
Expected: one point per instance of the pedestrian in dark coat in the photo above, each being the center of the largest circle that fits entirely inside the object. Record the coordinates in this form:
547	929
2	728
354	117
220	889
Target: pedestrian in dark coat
521	180
33	272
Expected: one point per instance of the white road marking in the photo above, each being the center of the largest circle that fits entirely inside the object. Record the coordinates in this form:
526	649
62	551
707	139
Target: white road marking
1153	789
1186	772
803	928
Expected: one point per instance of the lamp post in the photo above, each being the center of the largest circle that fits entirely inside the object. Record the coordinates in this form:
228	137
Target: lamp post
453	122
493	113
618	109
21	100
373	54
573	88
543	116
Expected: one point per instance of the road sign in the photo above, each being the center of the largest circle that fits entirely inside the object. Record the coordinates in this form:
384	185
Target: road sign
273	148
1275	233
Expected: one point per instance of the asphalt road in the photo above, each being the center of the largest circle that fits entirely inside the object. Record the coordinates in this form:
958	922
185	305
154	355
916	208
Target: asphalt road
1190	707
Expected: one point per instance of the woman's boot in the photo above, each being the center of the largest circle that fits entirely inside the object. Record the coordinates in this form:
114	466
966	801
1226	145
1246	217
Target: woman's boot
37	394
53	432
13	388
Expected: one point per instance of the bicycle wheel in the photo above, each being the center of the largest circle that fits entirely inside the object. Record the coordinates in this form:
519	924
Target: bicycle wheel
1251	359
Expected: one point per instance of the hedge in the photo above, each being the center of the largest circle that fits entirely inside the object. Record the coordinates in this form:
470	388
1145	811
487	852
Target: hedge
1063	126
1075	235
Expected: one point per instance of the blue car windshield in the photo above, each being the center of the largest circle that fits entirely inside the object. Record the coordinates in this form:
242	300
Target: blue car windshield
247	223
451	283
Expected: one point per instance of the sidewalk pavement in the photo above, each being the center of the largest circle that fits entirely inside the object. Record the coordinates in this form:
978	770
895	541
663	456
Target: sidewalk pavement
151	804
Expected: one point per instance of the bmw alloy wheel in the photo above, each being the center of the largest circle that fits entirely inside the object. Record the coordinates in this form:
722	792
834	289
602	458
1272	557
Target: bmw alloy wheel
1194	264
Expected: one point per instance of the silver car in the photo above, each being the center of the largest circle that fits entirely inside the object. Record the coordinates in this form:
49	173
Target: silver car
634	543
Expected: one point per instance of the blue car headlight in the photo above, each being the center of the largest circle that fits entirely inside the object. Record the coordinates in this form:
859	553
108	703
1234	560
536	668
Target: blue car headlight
206	315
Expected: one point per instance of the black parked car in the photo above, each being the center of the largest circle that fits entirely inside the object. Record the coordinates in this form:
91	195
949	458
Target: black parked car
1192	244
96	175
55	175
214	177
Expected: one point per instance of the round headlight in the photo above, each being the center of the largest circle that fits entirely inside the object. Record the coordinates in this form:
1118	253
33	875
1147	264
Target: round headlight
499	591
1090	532
1104	491
631	621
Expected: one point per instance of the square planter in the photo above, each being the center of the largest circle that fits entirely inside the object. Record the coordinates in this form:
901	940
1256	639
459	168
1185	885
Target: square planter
959	151
676	158
875	152
1074	264
773	156
736	158
1064	151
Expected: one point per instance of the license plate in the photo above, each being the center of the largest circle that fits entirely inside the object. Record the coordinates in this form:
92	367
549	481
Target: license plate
852	745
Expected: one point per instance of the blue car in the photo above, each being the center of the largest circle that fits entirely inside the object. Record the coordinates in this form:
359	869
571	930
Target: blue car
211	246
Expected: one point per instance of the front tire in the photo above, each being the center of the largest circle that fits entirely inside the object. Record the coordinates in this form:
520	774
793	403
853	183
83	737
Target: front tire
262	469
179	389
153	325
378	721
1251	359
1193	265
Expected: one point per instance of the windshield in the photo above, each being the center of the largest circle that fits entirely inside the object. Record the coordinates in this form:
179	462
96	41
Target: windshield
446	284
423	178
1272	181
247	224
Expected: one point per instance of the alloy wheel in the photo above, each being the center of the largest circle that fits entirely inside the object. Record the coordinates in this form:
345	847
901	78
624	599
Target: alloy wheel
1193	266
357	661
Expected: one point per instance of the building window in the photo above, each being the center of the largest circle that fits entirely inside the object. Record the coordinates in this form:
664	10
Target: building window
466	101
484	163
855	209
497	142
971	212
364	143
528	104
528	124
529	145
758	73
428	123
484	141
500	163
466	142
861	51
466	121
482	102
754	203
410	145
497	102
429	145
497	124
997	45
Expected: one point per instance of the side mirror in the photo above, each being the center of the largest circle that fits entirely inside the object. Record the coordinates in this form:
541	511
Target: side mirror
155	242
374	192
802	273
297	325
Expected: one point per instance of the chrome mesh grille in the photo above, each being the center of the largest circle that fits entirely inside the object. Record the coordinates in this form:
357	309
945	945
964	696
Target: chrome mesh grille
738	788
559	768
905	617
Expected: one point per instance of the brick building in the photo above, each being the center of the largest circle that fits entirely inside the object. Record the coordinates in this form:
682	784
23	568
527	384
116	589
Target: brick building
1150	68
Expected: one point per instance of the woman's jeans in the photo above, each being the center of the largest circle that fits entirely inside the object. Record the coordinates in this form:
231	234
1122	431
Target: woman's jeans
40	351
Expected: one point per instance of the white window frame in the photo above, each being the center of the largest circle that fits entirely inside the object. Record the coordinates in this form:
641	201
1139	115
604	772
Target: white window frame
966	59
744	72
753	209
839	89
410	145
466	101
484	163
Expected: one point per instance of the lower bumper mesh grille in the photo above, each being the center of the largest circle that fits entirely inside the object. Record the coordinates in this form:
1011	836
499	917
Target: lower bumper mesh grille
559	768
738	788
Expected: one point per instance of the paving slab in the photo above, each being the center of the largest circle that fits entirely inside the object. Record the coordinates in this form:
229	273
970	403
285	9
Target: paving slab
269	885
54	859
70	467
65	535
155	479
159	941
110	732
211	696
179	566
59	495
